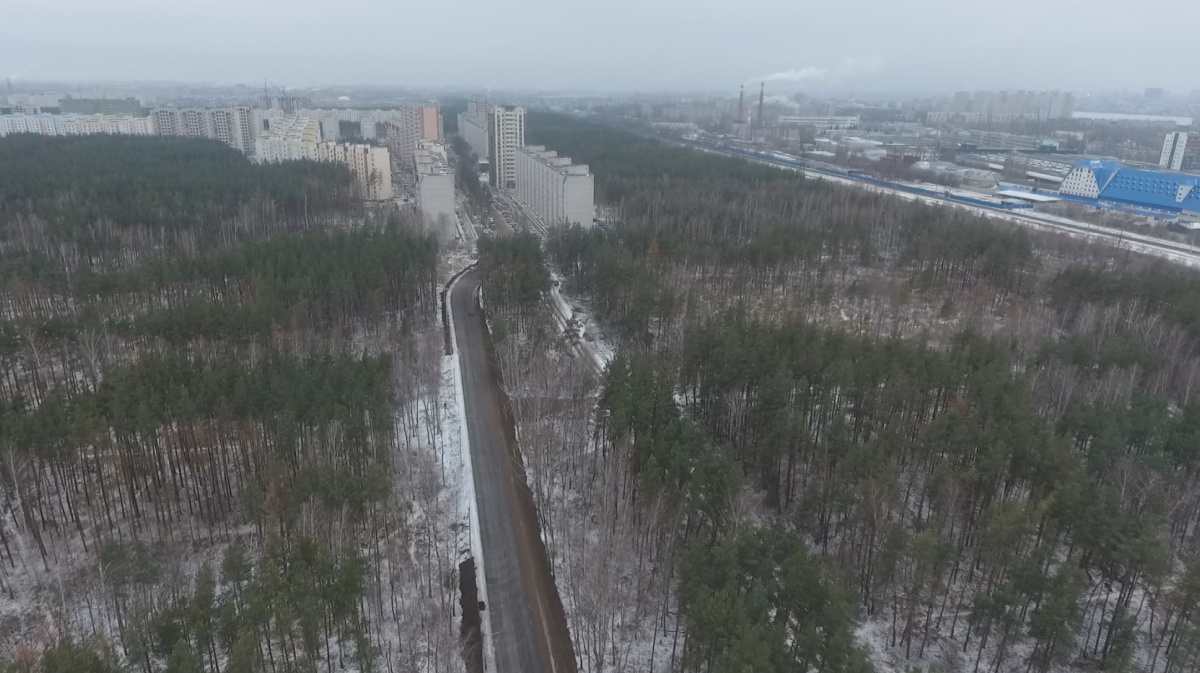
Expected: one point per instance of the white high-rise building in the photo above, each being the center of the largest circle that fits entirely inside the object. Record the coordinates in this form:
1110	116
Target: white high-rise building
435	189
370	165
288	139
474	131
554	189
76	125
236	126
506	135
1181	152
1172	151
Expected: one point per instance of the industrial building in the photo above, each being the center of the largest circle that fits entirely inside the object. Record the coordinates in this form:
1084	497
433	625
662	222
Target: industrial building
506	135
1111	184
821	123
435	188
554	189
76	125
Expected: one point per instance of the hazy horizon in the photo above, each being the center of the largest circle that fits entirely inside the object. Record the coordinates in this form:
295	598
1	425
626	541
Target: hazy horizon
699	45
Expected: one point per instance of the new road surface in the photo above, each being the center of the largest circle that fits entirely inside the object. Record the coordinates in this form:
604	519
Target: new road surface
528	625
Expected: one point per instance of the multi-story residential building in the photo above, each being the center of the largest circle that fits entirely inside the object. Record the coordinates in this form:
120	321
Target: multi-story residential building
435	188
236	127
506	135
478	108
288	139
76	125
982	107
1180	152
475	132
370	165
418	123
131	107
367	123
34	100
294	138
287	104
554	189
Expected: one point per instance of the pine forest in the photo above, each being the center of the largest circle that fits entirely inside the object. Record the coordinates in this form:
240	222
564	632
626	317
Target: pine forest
841	431
221	423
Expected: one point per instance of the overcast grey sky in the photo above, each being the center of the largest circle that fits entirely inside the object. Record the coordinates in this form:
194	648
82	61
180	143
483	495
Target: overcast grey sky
612	44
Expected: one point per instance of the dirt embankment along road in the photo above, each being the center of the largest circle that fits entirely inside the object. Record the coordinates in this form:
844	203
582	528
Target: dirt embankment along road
528	624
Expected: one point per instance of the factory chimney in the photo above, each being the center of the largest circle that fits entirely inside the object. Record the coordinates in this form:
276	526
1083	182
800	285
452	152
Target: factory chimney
762	91
741	118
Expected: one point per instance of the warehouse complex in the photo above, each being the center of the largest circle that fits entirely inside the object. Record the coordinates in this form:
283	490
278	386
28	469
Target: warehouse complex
1106	183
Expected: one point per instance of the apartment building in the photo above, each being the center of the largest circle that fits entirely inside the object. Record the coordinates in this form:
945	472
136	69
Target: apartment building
506	135
361	124
370	165
1181	152
76	125
435	189
552	188
127	107
288	139
474	131
236	127
416	124
288	105
293	138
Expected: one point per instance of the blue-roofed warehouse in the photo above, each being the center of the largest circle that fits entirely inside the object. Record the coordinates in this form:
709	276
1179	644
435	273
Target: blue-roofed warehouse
1111	183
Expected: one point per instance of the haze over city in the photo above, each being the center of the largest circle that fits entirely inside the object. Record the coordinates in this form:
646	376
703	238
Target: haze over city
613	45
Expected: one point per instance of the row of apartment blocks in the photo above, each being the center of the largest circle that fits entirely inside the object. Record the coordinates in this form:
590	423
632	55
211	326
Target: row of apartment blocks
76	125
237	127
294	138
240	126
551	187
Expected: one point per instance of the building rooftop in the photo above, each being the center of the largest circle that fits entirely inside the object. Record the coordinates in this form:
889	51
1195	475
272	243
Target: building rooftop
550	158
1139	187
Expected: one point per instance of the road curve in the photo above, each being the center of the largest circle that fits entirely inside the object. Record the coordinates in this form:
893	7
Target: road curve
528	625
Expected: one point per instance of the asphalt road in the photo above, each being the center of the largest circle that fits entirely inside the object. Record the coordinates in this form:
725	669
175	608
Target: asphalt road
528	624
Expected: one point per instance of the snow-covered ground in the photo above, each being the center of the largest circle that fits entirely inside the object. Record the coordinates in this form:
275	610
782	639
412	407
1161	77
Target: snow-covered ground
579	327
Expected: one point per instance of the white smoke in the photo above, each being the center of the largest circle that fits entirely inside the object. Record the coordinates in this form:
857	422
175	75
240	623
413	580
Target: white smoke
848	67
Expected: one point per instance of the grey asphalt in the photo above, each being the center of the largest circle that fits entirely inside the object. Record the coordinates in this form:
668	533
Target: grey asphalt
528	626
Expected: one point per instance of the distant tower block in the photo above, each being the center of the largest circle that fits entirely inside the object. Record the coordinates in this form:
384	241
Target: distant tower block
742	104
